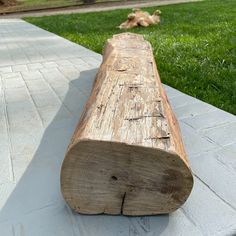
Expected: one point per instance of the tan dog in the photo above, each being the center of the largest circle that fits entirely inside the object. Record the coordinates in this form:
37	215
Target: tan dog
141	18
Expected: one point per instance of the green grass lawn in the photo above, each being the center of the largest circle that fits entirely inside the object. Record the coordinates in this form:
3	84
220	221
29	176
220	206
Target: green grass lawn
194	46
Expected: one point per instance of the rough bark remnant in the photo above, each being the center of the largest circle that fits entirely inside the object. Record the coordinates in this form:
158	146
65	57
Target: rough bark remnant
126	155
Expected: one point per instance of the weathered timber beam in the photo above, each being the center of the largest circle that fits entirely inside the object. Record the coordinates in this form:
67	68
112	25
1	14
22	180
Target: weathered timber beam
126	155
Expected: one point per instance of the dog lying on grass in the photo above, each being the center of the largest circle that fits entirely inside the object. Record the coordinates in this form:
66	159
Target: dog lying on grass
141	18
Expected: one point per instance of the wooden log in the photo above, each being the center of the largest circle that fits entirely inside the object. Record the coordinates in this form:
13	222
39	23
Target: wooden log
126	155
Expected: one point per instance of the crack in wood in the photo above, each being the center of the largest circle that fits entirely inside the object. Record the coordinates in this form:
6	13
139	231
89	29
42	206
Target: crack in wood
122	204
161	137
121	70
130	87
145	116
100	107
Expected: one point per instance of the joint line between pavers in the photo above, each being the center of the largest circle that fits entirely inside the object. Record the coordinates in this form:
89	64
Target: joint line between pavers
6	118
52	89
28	91
216	194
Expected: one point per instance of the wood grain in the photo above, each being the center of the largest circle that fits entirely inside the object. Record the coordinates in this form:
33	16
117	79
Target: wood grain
126	155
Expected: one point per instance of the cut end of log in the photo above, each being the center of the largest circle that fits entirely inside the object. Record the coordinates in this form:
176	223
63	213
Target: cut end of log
116	178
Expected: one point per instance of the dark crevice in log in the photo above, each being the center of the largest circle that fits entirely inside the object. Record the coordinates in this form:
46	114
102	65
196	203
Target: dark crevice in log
164	137
146	116
114	177
122	204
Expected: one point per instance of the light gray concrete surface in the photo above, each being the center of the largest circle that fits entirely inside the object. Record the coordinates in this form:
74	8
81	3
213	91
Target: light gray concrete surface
45	81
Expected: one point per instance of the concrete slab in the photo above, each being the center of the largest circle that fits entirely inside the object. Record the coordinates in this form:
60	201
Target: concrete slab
45	81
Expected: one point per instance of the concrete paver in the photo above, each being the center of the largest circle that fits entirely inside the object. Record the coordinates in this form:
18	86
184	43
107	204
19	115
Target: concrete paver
222	135
45	81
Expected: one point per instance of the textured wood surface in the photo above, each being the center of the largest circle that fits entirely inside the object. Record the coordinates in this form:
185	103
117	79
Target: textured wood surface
126	155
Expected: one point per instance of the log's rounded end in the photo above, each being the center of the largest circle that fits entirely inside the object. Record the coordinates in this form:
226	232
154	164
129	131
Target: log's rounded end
116	178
